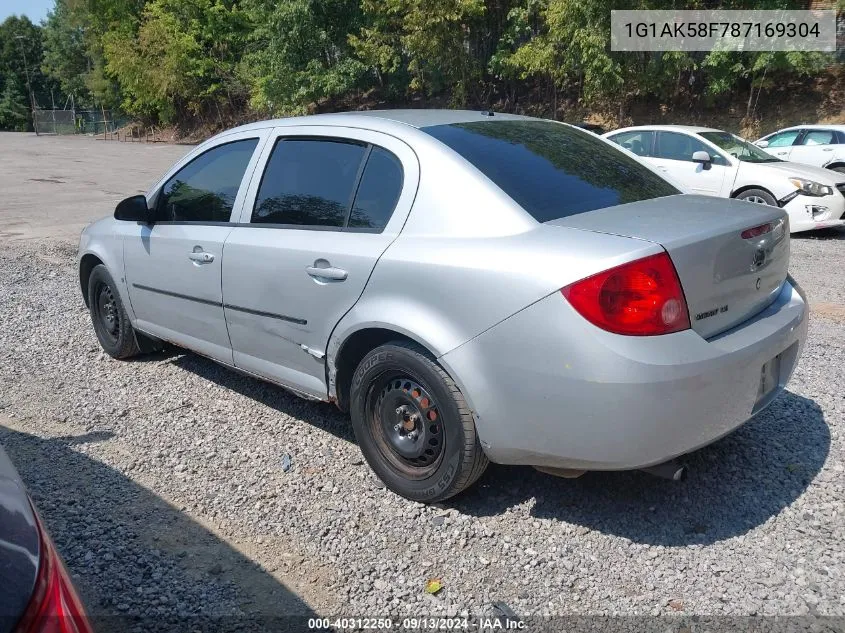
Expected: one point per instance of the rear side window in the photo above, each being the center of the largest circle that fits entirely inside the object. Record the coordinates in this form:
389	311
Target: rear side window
329	183
552	170
638	142
205	189
309	182
819	137
378	192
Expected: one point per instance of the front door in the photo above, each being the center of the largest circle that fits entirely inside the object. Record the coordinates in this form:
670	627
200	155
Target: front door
673	155
330	201
780	144
174	267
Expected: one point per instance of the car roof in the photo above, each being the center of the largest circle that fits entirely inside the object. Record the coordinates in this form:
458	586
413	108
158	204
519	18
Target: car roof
811	126
691	129
384	119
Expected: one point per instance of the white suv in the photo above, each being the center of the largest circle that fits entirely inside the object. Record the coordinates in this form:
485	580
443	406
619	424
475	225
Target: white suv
819	145
717	163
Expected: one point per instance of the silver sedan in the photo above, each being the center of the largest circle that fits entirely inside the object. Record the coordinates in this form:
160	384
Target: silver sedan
469	286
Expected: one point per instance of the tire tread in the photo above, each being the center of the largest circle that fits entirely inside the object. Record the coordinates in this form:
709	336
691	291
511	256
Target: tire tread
473	459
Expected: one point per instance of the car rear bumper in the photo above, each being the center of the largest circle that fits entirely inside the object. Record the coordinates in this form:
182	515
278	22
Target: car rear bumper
550	389
809	213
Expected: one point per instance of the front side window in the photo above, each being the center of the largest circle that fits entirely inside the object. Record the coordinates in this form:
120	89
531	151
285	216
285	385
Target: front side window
639	142
736	147
783	139
205	189
819	137
550	169
328	183
677	146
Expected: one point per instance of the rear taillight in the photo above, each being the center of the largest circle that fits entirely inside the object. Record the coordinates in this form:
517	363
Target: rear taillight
54	606
640	298
756	231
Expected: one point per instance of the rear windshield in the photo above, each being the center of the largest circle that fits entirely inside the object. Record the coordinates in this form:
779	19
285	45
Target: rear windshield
552	170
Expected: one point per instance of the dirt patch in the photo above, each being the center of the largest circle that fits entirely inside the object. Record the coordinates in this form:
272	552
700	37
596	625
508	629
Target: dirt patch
828	311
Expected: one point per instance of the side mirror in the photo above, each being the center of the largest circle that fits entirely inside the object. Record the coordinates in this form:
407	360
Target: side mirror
701	157
762	144
134	209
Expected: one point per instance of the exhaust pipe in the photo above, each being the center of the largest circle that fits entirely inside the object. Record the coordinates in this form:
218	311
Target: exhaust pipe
672	470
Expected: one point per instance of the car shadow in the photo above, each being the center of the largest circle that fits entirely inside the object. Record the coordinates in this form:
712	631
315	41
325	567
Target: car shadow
140	563
323	415
734	485
831	234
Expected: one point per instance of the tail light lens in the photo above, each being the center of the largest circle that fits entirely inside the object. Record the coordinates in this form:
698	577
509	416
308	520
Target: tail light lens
54	607
640	298
756	231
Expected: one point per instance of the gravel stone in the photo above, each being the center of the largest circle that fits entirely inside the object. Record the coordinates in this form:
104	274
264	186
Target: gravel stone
160	481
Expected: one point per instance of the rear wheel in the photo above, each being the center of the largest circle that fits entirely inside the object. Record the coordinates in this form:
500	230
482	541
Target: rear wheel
758	196
111	323
413	425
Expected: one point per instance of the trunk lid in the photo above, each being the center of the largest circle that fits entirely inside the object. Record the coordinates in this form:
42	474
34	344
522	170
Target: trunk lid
726	279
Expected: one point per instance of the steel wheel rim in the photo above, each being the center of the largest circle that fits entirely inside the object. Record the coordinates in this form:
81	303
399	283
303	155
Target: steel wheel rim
107	312
405	422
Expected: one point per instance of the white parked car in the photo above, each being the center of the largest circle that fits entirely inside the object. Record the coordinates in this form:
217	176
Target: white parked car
819	145
717	163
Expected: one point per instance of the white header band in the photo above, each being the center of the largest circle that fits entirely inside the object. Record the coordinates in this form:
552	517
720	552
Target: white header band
778	30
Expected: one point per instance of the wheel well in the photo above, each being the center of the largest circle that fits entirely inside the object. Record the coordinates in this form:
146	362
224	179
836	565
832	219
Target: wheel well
837	163
747	187
352	352
86	265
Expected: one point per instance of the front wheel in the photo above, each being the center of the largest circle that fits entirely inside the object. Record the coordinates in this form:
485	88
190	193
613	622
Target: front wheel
758	196
839	168
413	425
111	323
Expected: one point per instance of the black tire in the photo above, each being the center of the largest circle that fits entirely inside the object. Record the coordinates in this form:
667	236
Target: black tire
839	168
759	196
111	323
441	455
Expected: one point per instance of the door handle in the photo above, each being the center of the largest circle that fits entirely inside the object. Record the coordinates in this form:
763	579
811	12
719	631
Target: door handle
201	257
827	149
335	274
781	153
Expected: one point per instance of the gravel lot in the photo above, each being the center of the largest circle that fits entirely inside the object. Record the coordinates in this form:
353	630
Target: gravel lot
161	479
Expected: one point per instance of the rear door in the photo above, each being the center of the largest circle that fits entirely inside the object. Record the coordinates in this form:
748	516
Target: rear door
673	155
814	147
173	267
639	142
329	202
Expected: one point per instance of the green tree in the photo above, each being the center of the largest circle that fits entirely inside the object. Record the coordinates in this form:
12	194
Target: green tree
19	37
182	61
14	106
298	53
429	38
66	59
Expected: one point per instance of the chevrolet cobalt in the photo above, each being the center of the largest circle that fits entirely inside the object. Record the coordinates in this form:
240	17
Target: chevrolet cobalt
469	286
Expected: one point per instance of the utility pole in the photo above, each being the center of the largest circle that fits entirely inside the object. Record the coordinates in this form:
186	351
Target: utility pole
20	39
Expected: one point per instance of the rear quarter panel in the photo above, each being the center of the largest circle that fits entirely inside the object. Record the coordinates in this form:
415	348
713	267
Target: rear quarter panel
442	292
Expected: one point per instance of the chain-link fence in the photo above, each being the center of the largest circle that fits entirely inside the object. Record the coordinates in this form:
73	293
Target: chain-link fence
94	122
